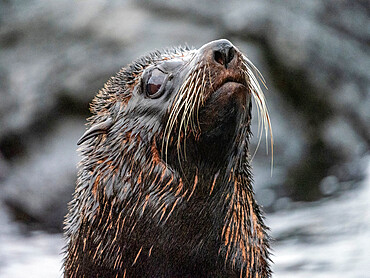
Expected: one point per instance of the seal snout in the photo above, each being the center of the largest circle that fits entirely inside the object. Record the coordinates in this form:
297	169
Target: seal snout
224	64
220	53
223	52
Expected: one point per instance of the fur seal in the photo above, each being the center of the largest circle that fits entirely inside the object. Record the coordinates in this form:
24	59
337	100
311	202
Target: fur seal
164	187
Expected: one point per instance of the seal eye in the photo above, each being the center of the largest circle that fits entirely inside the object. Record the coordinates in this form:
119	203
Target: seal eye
154	84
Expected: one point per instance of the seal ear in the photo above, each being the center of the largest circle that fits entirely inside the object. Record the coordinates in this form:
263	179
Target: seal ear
96	130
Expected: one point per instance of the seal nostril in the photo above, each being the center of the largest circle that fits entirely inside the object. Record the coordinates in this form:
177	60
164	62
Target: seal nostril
224	55
219	57
230	55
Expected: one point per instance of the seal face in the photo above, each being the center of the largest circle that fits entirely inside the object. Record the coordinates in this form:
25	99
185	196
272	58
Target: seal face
164	184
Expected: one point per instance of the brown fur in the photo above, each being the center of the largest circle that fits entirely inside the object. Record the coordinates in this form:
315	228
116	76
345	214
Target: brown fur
165	188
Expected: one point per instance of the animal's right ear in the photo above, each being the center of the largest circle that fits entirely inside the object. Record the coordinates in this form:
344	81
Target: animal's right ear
96	130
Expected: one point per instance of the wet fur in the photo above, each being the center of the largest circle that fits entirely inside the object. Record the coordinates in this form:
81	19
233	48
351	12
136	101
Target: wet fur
141	209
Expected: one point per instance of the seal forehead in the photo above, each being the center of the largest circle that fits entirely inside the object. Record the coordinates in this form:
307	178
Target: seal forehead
128	78
155	58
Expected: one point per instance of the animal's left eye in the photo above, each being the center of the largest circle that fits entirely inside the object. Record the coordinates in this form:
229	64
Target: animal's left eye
154	84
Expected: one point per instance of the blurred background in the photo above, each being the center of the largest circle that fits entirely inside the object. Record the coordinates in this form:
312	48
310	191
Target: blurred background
315	56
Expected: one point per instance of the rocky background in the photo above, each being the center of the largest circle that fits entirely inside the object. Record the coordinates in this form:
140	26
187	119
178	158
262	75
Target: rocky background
315	56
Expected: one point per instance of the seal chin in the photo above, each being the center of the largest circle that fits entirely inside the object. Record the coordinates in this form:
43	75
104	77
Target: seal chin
230	90
222	113
224	105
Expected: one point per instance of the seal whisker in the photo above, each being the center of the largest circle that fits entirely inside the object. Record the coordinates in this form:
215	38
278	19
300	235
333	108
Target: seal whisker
209	77
195	116
255	69
192	101
175	108
183	122
201	96
259	99
182	128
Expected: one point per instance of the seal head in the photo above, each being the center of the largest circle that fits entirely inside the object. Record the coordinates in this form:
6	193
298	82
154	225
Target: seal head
164	185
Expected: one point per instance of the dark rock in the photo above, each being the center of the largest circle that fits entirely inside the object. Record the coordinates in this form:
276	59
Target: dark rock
40	185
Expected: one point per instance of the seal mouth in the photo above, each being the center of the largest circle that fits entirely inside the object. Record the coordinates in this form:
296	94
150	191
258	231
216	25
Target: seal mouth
230	88
231	95
233	80
236	79
233	83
